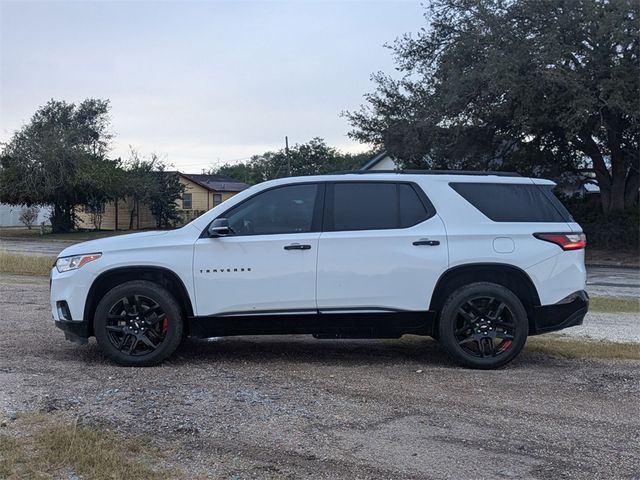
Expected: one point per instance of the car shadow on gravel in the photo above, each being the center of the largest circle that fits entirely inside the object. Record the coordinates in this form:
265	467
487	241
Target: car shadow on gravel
298	350
306	349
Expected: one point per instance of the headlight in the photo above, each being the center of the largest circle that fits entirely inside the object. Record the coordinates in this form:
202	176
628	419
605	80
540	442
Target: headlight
65	264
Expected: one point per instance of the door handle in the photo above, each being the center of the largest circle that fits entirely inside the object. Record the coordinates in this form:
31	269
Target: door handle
297	246
425	241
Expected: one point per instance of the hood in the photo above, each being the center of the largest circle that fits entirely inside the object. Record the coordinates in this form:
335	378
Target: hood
119	242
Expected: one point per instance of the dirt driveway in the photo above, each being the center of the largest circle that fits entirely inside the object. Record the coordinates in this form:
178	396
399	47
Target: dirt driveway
295	407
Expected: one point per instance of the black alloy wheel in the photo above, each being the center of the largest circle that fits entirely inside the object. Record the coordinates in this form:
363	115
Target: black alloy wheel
138	323
483	325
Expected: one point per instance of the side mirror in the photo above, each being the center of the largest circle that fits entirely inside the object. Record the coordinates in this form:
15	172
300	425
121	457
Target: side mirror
219	228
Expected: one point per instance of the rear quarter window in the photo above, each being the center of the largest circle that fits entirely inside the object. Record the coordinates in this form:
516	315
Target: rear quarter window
504	202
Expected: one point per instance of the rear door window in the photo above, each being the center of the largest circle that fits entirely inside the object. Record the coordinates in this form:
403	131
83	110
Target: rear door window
373	206
504	202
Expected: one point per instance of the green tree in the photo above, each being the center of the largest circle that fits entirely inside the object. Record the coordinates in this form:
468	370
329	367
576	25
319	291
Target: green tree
138	182
103	181
544	86
51	160
312	158
244	172
147	181
165	192
29	216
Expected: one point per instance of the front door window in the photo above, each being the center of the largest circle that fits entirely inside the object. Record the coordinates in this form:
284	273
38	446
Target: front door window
281	210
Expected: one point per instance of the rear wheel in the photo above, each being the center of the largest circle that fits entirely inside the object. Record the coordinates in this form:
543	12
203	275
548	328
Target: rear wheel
138	323
483	325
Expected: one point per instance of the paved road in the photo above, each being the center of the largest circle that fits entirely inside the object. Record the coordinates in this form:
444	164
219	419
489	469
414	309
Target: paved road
613	282
48	247
295	407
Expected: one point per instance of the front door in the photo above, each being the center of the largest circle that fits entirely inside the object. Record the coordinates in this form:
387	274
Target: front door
268	263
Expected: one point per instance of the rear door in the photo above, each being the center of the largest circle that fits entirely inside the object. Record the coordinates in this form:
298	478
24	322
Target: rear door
383	248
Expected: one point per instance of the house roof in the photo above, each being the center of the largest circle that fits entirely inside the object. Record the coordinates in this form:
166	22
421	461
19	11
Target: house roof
374	160
591	188
218	183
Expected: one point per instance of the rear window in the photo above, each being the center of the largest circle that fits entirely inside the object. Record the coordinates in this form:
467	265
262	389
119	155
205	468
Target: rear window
503	202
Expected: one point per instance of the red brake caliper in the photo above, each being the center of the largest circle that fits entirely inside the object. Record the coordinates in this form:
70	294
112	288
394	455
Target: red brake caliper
505	345
165	325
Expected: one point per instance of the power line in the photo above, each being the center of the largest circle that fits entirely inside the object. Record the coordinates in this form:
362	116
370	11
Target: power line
286	149
214	162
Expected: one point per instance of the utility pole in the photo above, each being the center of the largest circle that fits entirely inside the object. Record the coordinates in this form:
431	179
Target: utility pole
286	150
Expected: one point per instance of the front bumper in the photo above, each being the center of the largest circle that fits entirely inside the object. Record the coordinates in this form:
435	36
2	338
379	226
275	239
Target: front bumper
68	292
569	312
76	332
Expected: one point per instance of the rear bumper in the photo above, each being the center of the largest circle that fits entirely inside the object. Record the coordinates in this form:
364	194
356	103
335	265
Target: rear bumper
569	312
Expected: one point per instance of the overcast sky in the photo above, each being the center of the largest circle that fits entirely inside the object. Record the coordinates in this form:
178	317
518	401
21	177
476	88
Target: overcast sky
200	82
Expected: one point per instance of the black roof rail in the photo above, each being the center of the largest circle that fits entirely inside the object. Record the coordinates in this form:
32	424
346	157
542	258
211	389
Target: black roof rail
430	172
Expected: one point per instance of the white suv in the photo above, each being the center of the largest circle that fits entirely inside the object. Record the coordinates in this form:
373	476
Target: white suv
476	260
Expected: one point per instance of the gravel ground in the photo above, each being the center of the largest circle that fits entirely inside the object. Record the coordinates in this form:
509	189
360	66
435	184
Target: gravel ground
295	407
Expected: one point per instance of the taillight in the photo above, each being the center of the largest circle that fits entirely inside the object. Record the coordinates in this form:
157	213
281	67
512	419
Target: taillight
566	241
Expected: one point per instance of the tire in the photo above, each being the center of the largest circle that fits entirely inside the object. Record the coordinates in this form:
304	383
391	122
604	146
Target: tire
131	339
483	325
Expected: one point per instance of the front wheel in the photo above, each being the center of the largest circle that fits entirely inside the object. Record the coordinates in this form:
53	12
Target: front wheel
483	325
138	323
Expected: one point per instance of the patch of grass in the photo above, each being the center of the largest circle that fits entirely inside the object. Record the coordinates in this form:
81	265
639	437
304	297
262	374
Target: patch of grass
50	446
25	264
559	346
614	305
10	456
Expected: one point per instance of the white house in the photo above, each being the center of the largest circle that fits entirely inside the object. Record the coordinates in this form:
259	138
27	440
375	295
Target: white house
382	161
10	214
